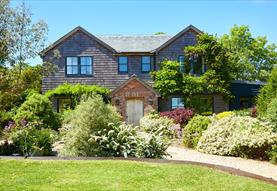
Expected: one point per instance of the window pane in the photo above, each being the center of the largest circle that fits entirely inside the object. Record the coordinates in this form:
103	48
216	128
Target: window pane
72	61
146	67
123	68
145	59
177	103
86	61
86	70
182	63
123	60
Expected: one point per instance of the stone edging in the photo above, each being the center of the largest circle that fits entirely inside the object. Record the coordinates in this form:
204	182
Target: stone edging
230	170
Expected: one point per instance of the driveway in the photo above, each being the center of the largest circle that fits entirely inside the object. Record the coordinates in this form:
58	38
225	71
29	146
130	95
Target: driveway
261	168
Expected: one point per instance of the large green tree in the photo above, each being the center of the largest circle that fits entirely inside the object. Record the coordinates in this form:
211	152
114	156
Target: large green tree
252	58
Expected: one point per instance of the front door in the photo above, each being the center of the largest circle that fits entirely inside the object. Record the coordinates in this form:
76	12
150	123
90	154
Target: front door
134	111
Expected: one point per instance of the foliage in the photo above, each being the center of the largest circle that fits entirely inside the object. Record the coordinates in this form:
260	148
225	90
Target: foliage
273	155
267	93
224	114
37	107
153	123
77	91
251	58
168	80
7	148
160	33
119	140
89	117
193	130
180	115
238	136
31	139
271	113
152	146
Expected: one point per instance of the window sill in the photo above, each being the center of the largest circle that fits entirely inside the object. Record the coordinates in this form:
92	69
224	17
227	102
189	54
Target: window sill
78	76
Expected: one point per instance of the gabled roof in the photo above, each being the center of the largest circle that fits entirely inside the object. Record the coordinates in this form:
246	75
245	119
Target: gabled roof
75	30
190	27
134	77
127	44
135	43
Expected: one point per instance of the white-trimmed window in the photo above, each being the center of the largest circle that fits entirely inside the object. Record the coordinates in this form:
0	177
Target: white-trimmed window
72	65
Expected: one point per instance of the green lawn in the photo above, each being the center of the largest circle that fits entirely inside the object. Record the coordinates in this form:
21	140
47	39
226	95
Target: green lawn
118	175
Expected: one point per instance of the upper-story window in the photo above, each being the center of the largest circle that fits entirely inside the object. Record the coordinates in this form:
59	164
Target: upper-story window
145	64
177	102
79	65
123	64
181	60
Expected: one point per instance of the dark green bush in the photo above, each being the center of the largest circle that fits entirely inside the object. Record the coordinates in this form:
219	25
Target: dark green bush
271	113
273	155
193	130
37	108
30	139
268	92
7	148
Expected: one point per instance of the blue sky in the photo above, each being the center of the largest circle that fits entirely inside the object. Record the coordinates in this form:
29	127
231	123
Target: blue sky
148	17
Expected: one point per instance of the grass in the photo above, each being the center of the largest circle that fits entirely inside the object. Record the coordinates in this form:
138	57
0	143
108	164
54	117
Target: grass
118	175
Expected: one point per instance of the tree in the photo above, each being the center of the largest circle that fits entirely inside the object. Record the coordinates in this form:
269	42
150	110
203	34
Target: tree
160	33
5	14
251	58
27	39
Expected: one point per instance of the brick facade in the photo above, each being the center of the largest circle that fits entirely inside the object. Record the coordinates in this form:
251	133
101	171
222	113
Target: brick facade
134	89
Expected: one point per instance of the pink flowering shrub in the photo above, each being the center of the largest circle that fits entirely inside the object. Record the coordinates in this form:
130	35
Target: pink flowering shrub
180	116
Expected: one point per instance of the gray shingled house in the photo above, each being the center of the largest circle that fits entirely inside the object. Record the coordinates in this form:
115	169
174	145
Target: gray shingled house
122	64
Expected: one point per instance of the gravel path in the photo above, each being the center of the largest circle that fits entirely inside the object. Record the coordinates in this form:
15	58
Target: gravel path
261	168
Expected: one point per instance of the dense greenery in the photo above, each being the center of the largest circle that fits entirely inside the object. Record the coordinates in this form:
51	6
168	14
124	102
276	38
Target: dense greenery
238	136
119	175
38	108
267	93
216	80
31	139
251	58
77	91
89	117
193	130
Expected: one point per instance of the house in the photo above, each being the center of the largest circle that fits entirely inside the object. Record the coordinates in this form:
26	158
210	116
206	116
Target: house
122	64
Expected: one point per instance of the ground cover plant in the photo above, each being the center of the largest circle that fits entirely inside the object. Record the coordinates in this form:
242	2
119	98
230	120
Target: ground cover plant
119	175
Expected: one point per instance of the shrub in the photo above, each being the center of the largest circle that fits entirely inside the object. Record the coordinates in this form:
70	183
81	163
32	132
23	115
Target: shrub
180	116
38	108
31	140
77	91
7	148
273	155
238	136
152	146
193	130
91	116
271	113
155	124
224	114
119	140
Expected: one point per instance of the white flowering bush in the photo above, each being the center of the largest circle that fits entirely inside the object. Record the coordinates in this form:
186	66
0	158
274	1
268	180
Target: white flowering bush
119	140
155	124
242	136
152	146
